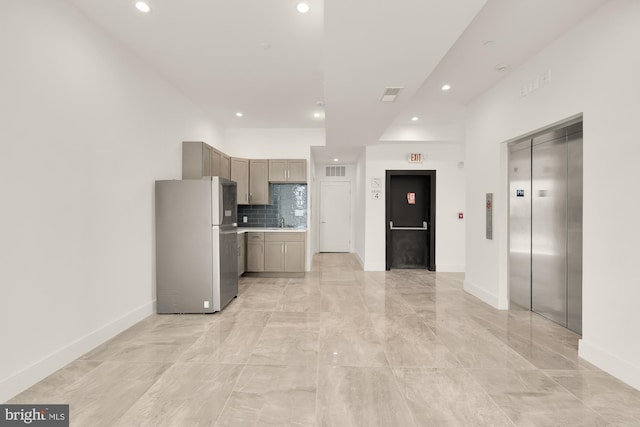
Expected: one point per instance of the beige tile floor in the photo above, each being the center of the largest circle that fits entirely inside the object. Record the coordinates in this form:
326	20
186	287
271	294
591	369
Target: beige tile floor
342	347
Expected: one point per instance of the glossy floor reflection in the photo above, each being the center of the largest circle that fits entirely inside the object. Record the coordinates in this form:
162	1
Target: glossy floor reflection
342	347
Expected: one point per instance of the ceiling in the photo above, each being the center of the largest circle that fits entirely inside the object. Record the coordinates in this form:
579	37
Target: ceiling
280	67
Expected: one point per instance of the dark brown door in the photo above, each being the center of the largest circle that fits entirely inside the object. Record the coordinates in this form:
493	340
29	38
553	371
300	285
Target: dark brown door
410	218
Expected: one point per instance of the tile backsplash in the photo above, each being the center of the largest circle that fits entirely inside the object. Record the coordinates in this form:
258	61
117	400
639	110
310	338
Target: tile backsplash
287	200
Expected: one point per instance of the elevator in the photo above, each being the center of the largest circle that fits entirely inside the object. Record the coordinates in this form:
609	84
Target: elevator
545	224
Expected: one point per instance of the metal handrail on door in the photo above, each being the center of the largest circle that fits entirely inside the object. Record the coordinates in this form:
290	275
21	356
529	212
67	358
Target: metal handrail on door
423	228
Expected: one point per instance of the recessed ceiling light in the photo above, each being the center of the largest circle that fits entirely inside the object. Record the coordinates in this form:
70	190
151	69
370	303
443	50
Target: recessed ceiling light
143	7
414	119
446	87
316	115
336	159
239	114
501	67
303	7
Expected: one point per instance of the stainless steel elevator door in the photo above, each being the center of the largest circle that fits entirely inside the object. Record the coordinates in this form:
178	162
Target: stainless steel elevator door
545	224
549	227
520	223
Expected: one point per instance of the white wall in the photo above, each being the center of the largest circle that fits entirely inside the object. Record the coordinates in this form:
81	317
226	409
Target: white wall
273	143
594	71
360	213
85	129
444	157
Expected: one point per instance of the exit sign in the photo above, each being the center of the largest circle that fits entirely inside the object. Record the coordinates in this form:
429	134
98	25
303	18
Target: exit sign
415	158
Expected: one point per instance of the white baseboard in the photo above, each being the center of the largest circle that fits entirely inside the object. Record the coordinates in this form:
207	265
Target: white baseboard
621	369
482	295
25	378
450	268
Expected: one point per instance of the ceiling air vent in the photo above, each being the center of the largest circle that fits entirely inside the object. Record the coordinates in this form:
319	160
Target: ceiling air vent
335	170
390	94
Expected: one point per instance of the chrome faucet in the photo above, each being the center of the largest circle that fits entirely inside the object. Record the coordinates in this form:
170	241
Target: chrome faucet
281	222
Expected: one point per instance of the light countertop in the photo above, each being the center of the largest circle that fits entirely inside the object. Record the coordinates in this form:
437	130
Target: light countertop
270	230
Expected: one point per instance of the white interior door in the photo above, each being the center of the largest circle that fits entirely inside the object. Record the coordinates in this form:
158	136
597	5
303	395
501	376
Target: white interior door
335	216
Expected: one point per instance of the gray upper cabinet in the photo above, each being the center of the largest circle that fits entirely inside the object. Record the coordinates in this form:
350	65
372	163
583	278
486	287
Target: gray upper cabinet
216	162
291	170
225	166
277	171
240	174
258	182
297	170
196	159
200	159
220	164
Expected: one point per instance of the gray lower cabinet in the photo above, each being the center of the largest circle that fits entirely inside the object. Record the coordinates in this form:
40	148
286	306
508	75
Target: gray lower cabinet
255	252
273	256
241	254
284	252
275	252
284	256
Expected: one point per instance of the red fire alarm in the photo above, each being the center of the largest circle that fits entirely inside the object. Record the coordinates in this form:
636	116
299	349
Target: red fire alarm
411	198
460	215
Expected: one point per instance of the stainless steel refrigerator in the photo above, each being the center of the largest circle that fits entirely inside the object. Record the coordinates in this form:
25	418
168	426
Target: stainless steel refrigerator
196	245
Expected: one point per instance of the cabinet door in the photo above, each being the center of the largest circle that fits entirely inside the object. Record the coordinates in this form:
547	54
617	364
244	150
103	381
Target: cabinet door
294	257
225	166
216	161
240	174
277	170
255	256
196	161
206	159
274	256
297	171
258	182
